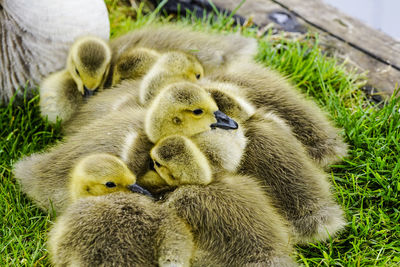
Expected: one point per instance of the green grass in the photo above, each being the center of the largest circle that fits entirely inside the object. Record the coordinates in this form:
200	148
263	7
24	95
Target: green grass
23	226
366	183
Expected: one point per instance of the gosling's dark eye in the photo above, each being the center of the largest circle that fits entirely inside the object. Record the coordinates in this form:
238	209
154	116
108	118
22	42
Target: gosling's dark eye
198	76
110	184
77	72
197	111
157	164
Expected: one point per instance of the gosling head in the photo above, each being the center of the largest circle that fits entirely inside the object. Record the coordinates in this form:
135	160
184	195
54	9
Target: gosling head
169	68
134	64
88	63
184	108
177	62
100	174
179	161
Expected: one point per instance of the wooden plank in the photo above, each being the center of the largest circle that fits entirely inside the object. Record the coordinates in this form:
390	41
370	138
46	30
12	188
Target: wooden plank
383	73
381	76
351	30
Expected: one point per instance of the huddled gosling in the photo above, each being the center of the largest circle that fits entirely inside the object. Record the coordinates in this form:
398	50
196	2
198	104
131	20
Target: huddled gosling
108	226
61	93
133	64
170	68
88	63
184	108
100	174
214	51
230	216
270	91
298	187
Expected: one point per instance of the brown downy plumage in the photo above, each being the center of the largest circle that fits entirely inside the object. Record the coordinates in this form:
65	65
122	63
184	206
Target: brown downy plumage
124	94
268	90
232	220
107	226
59	97
298	187
213	50
119	229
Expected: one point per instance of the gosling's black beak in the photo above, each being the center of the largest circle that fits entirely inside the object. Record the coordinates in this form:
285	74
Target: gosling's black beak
88	92
224	121
138	189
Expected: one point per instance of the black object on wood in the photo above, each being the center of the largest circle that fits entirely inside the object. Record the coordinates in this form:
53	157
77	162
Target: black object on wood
201	8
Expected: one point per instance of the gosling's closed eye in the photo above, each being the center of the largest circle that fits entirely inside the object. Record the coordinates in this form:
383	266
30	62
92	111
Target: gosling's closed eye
110	184
77	72
157	164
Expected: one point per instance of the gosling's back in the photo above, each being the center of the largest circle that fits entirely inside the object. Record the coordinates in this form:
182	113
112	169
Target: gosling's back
119	229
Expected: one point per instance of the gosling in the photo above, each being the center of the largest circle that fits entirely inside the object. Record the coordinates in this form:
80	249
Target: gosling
214	51
87	67
275	157
231	218
100	174
107	225
88	63
133	64
170	68
268	90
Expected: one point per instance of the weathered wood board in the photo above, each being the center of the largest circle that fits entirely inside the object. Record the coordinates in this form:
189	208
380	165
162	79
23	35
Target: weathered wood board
366	48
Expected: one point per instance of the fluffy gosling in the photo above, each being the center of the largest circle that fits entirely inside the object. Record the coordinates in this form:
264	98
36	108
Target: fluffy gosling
101	174
170	68
268	90
133	64
119	229
298	187
231	218
87	67
88	63
214	51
